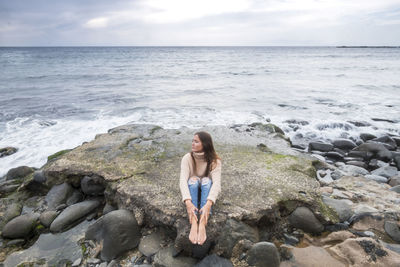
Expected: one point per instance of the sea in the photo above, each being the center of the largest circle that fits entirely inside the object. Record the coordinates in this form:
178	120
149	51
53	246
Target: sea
55	98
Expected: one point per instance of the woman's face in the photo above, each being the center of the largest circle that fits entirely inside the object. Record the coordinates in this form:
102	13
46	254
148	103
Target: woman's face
197	146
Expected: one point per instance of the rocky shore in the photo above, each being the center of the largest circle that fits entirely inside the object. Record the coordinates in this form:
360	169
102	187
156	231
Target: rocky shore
115	201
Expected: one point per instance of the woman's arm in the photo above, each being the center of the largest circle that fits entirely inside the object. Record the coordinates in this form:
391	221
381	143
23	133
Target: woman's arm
183	180
216	182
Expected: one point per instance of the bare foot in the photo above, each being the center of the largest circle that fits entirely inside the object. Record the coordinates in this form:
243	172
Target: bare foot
193	233
201	237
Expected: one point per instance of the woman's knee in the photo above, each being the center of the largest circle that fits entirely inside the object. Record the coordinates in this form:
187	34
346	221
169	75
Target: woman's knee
193	180
205	180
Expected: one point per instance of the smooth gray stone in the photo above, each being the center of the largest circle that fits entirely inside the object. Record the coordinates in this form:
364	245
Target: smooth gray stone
118	231
345	144
392	229
58	195
76	263
215	261
354	170
303	218
324	180
342	207
263	254
21	226
375	150
366	136
387	171
334	155
395	189
319	146
39	177
114	263
16	242
151	244
164	258
108	208
72	214
391	144
19	172
76	197
6	151
392	247
357	163
394	180
47	217
92	185
12	211
376	178
54	249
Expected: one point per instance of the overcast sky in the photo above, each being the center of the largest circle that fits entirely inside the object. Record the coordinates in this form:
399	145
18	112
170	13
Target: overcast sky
202	22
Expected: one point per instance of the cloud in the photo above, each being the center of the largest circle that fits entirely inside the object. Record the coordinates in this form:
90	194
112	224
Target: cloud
96	23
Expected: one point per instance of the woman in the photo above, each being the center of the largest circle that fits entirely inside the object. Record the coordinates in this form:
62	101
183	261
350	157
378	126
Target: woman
200	171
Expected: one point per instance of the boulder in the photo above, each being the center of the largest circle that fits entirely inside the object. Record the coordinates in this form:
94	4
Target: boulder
47	217
376	178
58	195
366	136
150	244
395	180
396	160
303	218
376	150
342	208
365	251
390	143
72	214
92	185
352	170
165	258
215	261
387	171
75	197
6	151
344	144
21	226
39	177
263	254
334	155
12	211
117	230
395	189
392	229
19	172
319	146
108	208
357	163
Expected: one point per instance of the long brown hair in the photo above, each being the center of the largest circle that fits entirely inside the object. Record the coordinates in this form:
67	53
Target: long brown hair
209	152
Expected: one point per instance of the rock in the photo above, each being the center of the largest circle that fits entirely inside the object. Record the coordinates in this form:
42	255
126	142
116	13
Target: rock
291	240
396	160
311	256
387	171
337	174
366	136
391	144
304	219
75	197
395	180
58	195
76	263
319	146
47	217
376	150
232	233
16	242
114	263
151	244
326	179
39	177
72	214
353	170
395	189
359	154
357	163
21	226
263	254
364	222
6	151
108	208
392	247
376	178
164	258
51	249
365	251
334	155
18	173
337	227
392	229
336	237
117	230
12	211
342	208
8	186
363	208
344	144
92	185
215	261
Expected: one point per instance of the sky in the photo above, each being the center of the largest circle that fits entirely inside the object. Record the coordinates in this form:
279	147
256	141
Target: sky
199	23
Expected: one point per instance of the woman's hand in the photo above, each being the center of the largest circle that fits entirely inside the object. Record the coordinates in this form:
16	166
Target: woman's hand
205	211
191	210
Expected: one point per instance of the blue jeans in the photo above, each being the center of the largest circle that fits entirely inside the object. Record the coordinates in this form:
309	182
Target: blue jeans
199	190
